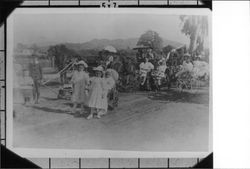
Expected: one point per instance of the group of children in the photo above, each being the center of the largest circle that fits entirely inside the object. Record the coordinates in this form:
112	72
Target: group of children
91	92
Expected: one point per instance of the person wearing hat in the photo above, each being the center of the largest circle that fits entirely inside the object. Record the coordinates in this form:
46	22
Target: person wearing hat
97	94
187	66
80	81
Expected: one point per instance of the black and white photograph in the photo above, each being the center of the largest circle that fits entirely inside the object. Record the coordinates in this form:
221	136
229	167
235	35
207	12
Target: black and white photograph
109	80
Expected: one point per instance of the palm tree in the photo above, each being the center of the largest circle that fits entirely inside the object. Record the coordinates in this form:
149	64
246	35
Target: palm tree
196	27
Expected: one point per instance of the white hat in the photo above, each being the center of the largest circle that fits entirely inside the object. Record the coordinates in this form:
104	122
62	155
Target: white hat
82	63
98	68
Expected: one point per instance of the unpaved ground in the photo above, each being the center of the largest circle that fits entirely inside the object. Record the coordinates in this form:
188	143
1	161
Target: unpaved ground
167	121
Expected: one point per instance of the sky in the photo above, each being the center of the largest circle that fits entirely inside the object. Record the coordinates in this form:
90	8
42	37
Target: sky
79	28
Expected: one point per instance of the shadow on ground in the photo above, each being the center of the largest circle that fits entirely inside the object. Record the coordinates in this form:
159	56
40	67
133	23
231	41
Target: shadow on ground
47	109
50	99
182	97
60	111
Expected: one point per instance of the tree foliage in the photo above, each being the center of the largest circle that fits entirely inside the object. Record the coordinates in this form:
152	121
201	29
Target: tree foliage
167	49
61	55
196	27
151	39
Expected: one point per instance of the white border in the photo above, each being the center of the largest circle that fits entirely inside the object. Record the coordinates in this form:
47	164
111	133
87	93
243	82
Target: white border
66	153
231	64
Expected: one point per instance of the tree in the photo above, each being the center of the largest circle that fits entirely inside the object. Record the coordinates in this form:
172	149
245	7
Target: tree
60	54
35	48
151	39
196	27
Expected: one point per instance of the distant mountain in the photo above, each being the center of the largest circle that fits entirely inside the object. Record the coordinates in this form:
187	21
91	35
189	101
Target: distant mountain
99	44
172	43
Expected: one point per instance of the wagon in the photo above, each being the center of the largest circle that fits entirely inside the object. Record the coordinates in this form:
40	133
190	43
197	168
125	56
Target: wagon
65	92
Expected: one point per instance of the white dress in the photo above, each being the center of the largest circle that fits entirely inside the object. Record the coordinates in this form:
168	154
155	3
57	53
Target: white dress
161	71
145	68
80	82
98	94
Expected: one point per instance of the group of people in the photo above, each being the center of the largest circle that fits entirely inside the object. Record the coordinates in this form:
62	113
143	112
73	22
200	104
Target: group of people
196	67
91	92
158	71
27	82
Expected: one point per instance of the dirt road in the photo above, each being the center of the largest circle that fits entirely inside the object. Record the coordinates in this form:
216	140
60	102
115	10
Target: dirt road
167	121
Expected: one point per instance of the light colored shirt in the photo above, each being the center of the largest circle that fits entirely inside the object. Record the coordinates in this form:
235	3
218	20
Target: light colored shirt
146	66
187	66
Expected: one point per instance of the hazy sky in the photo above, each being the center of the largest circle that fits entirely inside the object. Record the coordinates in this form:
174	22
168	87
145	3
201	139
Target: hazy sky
79	28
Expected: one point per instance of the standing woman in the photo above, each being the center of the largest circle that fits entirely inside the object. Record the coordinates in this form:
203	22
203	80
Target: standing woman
80	81
97	102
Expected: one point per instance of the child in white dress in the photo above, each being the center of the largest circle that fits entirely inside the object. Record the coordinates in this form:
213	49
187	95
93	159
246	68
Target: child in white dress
97	94
80	81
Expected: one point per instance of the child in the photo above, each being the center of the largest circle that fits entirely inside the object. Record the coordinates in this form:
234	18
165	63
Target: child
80	81
109	80
186	66
26	86
111	92
161	72
145	68
97	94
